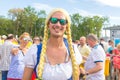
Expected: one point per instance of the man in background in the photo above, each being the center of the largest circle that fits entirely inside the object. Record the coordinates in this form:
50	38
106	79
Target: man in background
94	66
83	47
5	57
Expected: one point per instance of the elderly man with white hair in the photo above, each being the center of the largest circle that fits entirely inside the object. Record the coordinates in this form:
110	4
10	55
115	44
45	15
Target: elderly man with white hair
94	66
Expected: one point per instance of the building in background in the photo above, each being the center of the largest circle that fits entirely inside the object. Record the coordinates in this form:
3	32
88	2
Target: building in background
114	33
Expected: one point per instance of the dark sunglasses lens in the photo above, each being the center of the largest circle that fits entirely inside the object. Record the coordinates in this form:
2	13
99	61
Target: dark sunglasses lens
53	20
63	22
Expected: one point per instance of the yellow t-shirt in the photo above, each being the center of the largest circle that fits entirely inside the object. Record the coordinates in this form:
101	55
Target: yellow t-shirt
15	42
1	42
29	44
85	50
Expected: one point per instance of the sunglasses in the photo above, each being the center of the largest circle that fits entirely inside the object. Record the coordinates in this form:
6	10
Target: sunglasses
55	20
26	39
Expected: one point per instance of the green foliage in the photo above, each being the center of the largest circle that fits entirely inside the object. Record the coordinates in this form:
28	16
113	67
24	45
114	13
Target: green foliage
27	20
82	26
31	21
5	26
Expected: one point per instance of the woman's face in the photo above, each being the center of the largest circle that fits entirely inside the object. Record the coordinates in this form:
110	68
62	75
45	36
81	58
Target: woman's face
57	24
25	40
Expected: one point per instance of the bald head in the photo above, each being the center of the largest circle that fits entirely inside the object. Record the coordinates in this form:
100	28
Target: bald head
82	40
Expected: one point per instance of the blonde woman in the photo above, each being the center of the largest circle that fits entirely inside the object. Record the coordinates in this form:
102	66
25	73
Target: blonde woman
57	58
16	68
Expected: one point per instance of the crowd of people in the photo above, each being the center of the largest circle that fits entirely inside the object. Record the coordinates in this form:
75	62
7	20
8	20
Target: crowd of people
12	53
56	56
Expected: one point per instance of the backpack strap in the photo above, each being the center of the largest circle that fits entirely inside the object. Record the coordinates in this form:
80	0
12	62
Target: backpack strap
39	48
70	78
66	44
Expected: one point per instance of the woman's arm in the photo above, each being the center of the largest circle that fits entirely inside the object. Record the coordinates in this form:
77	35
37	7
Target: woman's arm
98	67
27	75
30	62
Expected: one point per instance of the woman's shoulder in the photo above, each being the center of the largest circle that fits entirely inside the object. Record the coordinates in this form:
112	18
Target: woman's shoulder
32	50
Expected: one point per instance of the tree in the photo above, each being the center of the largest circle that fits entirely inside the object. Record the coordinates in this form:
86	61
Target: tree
76	20
5	25
40	23
82	26
16	16
27	20
31	21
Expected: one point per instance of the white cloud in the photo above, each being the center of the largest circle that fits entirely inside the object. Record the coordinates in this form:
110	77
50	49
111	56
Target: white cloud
72	1
81	12
115	17
48	8
40	6
84	13
112	19
113	3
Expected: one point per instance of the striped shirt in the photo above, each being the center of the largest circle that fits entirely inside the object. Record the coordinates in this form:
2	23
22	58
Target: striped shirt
5	55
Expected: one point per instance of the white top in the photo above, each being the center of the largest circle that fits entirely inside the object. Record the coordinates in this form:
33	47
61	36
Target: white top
61	71
97	55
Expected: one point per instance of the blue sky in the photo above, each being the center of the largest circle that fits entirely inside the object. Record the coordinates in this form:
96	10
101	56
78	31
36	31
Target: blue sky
109	8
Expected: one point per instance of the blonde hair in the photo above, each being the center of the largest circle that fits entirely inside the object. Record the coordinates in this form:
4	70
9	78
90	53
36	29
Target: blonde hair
23	35
45	38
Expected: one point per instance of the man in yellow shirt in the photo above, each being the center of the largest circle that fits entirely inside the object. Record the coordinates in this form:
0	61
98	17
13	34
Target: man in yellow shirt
3	38
83	47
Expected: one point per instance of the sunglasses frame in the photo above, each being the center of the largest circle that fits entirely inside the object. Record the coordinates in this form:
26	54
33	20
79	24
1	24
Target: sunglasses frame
26	39
55	20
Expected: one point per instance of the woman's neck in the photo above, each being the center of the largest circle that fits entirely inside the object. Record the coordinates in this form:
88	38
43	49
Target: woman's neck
55	42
